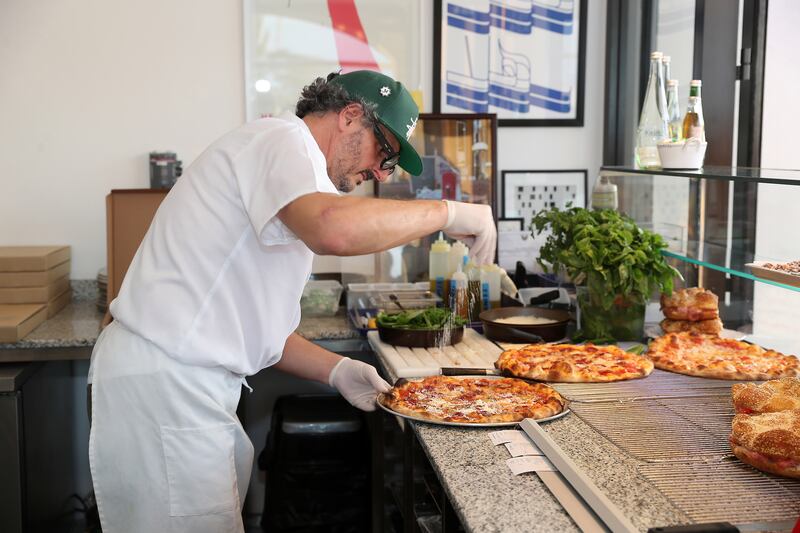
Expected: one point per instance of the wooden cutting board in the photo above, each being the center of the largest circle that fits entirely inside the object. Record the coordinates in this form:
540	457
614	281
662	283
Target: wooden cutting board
474	351
17	320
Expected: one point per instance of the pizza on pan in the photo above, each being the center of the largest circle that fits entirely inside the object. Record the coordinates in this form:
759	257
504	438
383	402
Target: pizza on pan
472	400
573	363
709	356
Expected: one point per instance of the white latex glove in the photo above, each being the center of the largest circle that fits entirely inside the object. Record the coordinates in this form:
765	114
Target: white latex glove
358	382
473	224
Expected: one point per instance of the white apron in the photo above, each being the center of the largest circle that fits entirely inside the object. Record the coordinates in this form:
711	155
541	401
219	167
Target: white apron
166	450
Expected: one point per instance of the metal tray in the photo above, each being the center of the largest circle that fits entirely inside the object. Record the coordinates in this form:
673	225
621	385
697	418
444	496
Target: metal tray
381	399
758	270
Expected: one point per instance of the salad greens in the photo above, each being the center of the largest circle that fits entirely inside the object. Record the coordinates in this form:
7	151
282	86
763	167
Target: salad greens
619	263
430	318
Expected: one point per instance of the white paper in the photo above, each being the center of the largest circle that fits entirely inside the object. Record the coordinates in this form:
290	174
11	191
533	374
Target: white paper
530	463
517	449
508	435
513	246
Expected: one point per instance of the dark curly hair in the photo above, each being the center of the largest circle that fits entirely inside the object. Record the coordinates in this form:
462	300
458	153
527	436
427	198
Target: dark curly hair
321	96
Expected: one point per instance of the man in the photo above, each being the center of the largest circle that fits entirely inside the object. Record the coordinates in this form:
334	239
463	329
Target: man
213	294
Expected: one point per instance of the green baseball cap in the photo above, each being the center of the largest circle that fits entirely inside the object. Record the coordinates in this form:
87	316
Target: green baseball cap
394	108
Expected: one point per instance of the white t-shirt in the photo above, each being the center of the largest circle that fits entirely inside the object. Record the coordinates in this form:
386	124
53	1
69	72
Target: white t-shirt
218	277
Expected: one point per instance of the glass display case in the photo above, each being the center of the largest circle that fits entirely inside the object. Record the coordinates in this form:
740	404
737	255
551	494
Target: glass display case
732	230
459	158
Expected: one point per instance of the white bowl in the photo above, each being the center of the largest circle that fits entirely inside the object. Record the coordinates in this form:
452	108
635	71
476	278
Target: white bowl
683	155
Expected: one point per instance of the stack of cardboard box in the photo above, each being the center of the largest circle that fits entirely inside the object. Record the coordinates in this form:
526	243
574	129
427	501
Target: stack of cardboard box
34	286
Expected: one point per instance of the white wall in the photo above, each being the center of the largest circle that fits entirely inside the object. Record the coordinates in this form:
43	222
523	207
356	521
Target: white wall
87	89
777	311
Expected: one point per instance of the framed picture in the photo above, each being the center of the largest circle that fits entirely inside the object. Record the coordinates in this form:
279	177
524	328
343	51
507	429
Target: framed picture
524	192
459	162
510	224
523	60
288	44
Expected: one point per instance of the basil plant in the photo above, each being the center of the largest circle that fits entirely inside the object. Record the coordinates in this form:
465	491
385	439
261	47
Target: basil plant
615	265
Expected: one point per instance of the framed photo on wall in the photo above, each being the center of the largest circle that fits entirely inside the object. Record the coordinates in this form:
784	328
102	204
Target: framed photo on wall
459	162
524	61
289	44
524	192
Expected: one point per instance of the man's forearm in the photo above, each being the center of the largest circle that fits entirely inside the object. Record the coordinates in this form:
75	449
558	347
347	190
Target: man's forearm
305	359
353	225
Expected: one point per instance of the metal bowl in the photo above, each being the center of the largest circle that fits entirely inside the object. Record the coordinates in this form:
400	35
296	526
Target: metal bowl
420	338
498	331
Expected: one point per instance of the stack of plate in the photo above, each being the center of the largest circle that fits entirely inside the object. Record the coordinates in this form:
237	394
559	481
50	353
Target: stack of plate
102	289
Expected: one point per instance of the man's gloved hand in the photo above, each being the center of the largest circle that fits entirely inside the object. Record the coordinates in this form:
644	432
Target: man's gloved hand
358	382
473	224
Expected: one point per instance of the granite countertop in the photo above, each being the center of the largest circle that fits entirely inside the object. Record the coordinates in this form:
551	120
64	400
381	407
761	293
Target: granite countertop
78	325
488	498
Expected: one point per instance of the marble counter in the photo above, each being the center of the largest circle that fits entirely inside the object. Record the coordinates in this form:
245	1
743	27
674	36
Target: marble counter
76	327
488	498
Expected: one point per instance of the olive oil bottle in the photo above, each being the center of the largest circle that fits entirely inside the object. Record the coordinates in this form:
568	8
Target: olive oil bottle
693	124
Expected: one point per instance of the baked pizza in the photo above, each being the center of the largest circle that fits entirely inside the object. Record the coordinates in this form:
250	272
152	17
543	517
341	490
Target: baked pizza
769	397
690	304
712	326
710	356
769	441
472	400
573	363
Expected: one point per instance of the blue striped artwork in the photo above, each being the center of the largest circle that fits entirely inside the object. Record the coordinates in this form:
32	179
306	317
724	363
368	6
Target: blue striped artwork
501	55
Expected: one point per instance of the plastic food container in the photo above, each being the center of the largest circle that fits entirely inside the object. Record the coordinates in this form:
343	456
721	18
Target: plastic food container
364	296
683	155
409	300
320	298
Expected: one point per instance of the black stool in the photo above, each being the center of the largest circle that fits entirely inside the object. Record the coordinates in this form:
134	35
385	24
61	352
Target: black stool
317	462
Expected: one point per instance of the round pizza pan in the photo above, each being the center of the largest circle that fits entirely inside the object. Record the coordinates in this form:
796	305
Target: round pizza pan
381	399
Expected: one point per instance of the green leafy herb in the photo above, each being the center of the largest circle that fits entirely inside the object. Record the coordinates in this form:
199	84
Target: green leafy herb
430	318
619	262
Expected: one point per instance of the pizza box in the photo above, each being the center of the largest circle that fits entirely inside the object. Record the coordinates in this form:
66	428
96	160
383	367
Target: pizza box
32	258
34	295
18	320
34	278
58	303
758	270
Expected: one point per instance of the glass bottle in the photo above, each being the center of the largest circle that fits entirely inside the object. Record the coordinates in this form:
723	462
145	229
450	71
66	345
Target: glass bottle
667	71
693	123
653	121
604	194
674	111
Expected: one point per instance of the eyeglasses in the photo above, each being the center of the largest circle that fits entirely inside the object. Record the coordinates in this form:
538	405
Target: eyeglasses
392	157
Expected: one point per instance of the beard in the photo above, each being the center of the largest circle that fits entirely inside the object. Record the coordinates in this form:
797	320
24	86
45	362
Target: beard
345	163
